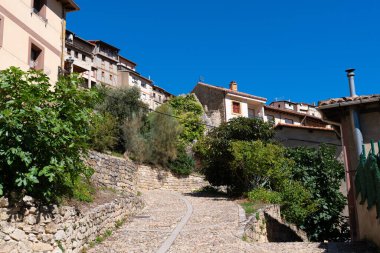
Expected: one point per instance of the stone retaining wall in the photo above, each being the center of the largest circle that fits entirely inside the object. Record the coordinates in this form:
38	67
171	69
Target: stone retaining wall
150	179
266	225
28	228
113	172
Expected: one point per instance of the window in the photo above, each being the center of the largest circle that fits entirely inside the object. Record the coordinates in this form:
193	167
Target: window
76	54
154	94
111	77
143	84
69	51
236	107
38	5
83	57
102	73
36	57
1	30
159	98
288	121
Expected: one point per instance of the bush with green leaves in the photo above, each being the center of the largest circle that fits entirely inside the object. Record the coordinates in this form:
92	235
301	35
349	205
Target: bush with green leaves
215	154
183	165
256	164
321	173
104	132
189	112
263	195
44	134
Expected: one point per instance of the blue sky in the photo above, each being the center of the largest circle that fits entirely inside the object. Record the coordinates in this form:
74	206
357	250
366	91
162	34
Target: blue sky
295	49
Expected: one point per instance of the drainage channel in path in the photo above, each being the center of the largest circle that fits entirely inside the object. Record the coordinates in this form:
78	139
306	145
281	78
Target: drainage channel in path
169	241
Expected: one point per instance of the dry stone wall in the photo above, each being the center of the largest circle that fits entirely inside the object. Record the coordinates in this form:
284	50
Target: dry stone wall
113	172
266	225
150	178
29	228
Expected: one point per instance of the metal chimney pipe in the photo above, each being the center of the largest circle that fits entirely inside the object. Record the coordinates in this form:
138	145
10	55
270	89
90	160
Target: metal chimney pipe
351	82
355	121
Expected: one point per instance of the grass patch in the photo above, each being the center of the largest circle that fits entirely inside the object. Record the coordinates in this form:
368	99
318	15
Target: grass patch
248	207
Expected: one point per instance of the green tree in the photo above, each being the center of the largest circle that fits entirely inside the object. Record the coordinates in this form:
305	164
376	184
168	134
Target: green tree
162	136
189	112
44	133
318	170
125	106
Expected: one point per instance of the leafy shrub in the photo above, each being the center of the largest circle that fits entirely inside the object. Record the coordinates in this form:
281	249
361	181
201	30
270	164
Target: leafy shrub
44	133
318	170
189	111
257	164
103	132
215	154
297	202
183	165
264	196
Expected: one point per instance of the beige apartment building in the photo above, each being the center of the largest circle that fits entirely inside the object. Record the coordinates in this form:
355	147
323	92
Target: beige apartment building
106	58
304	108
32	34
79	58
151	94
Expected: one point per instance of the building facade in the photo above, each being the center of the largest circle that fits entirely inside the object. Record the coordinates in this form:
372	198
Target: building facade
221	104
151	94
106	59
356	115
79	58
32	34
304	108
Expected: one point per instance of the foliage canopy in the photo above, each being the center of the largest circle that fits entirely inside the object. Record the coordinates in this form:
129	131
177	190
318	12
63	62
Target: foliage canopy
44	133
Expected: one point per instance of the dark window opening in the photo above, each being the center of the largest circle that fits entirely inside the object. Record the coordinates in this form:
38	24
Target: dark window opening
35	57
83	57
236	107
38	4
76	54
288	121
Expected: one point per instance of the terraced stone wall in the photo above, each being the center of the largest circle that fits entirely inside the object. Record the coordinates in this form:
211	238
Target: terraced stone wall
150	178
113	172
28	228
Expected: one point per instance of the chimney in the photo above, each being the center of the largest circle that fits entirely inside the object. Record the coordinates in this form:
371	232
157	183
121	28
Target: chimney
351	82
233	85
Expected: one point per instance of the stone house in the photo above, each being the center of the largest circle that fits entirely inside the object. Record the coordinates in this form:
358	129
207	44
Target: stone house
79	58
221	104
32	34
358	118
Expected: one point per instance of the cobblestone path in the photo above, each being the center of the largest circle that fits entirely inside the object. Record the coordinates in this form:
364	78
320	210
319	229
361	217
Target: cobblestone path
176	223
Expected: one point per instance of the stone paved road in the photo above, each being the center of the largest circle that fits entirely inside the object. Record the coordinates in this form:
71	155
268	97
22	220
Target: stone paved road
213	226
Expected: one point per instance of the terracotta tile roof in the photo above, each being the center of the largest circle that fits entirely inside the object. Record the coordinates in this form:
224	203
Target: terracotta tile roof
232	92
344	101
304	127
287	111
